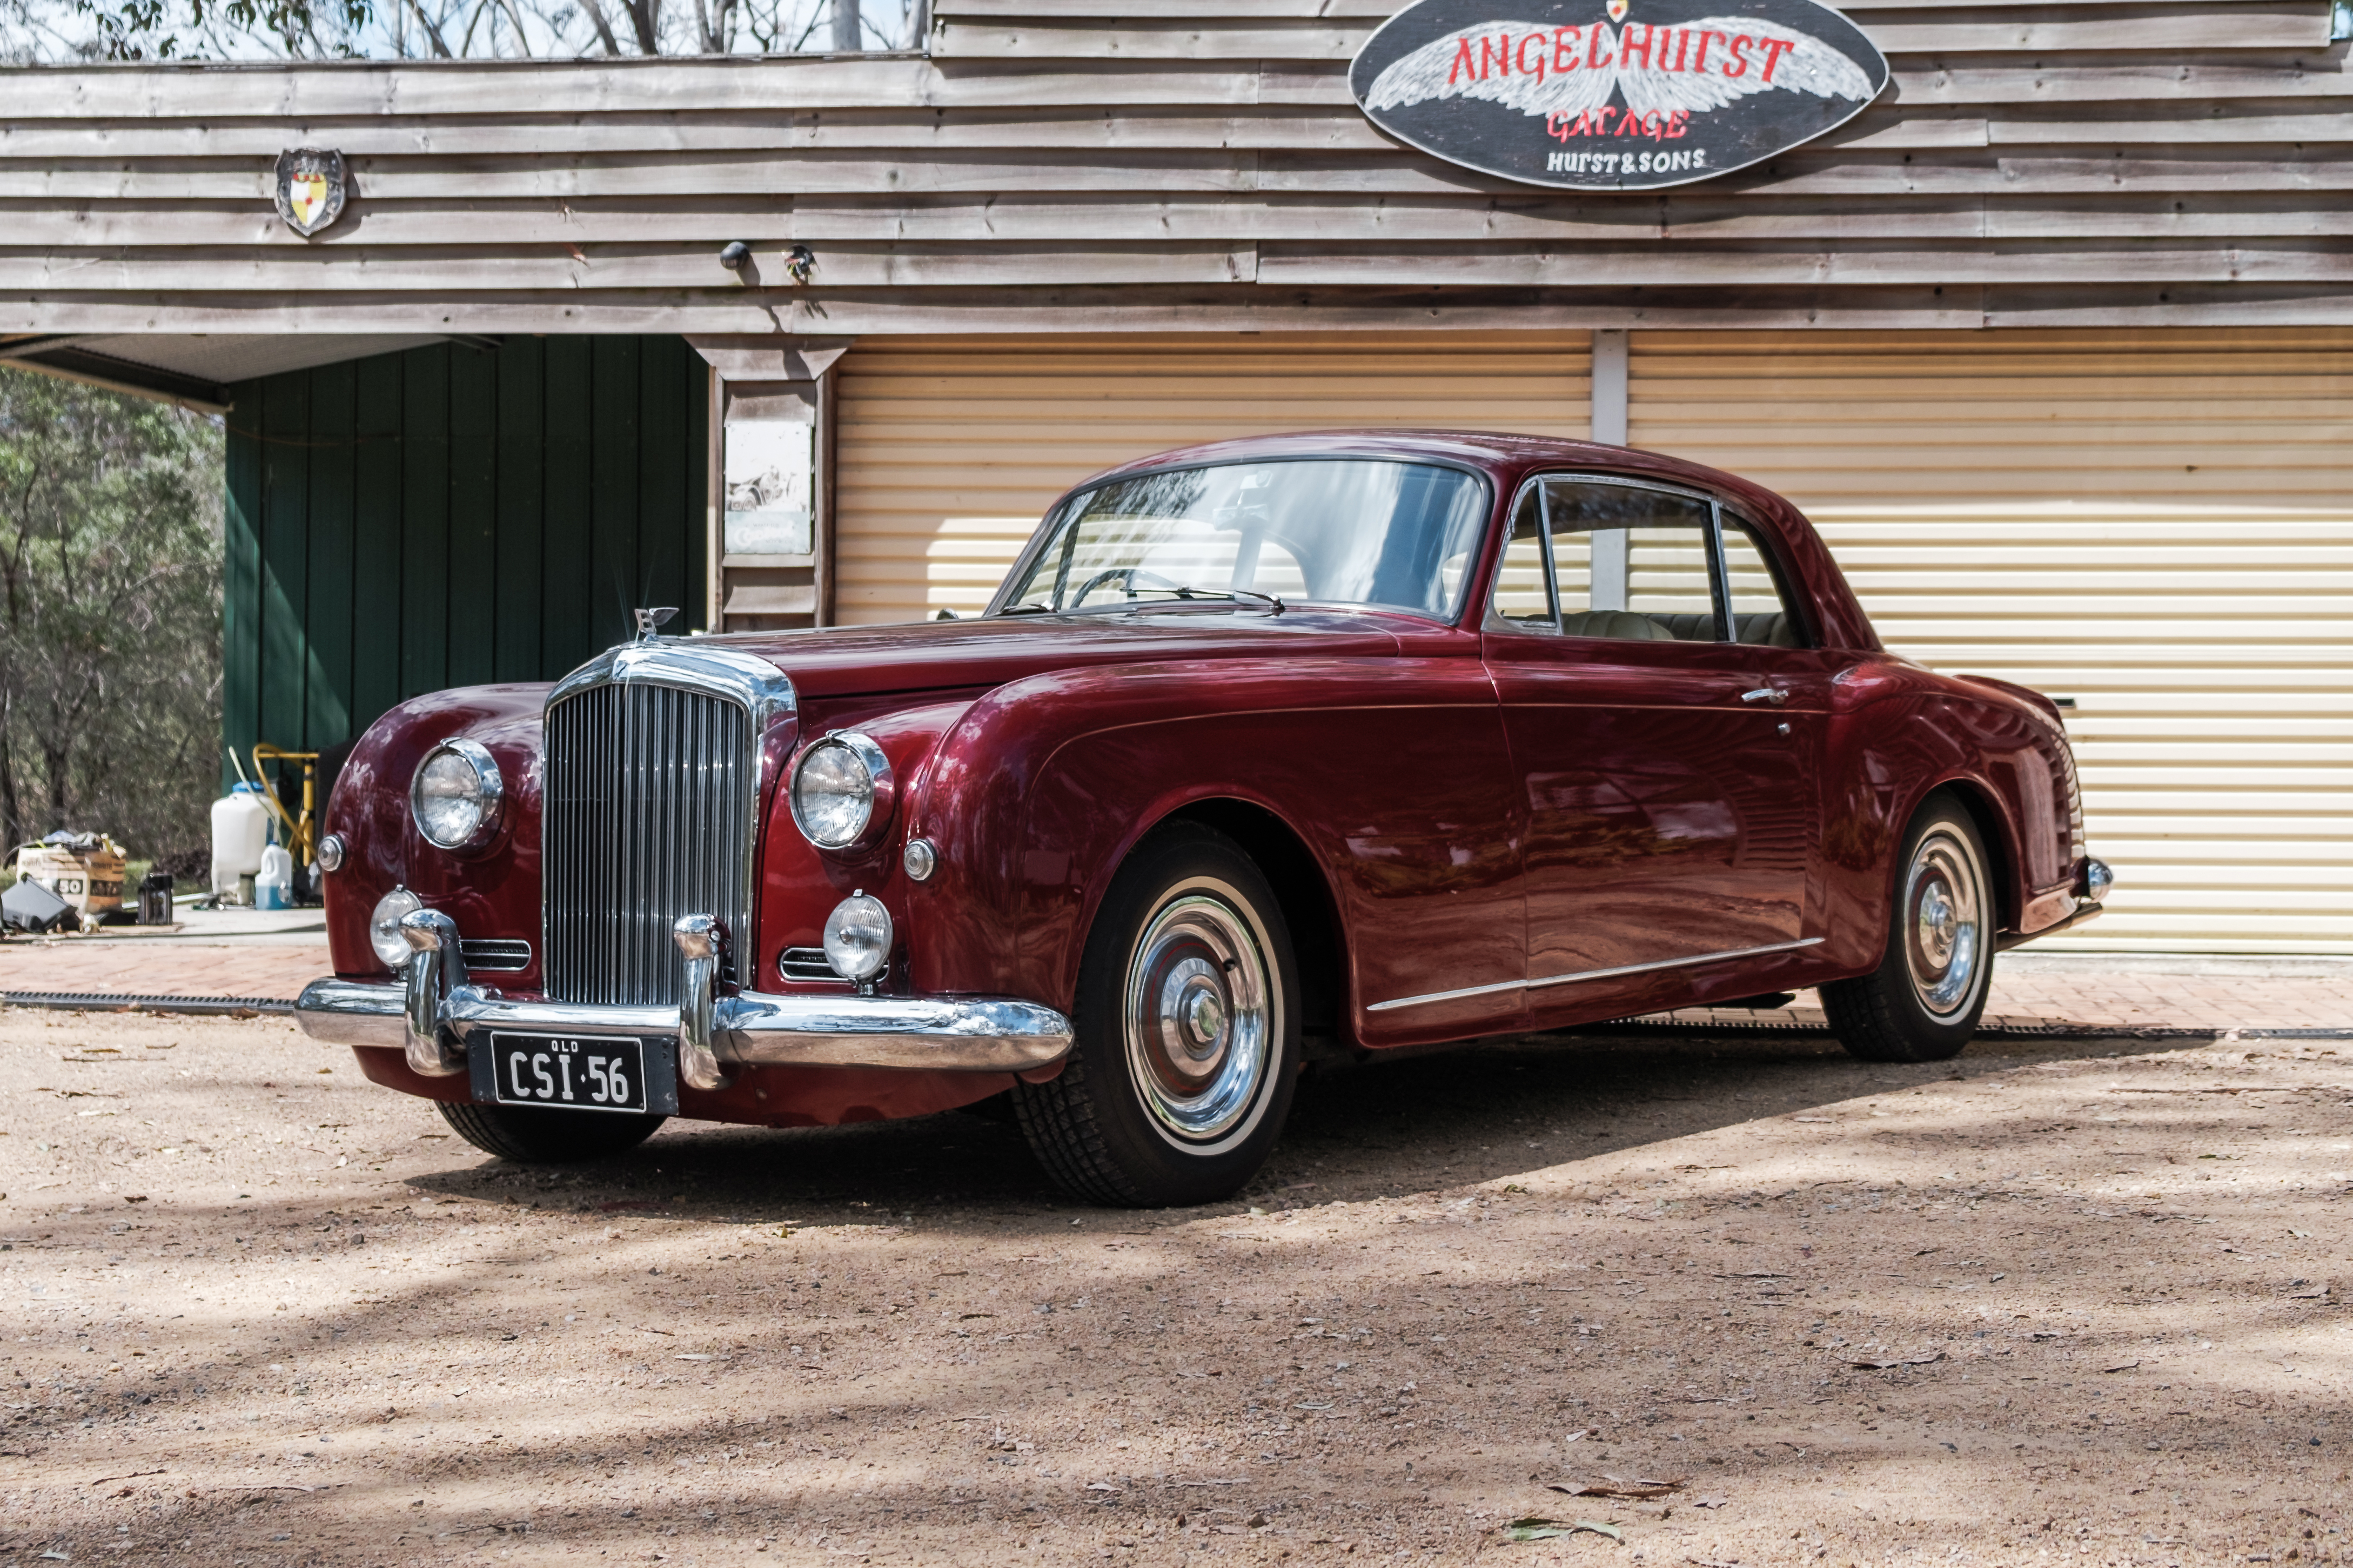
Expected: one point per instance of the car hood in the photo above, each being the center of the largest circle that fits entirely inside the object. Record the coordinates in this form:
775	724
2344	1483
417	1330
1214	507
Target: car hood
975	655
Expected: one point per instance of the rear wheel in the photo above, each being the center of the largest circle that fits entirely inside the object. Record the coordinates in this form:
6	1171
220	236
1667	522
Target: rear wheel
1187	1033
1924	1001
531	1136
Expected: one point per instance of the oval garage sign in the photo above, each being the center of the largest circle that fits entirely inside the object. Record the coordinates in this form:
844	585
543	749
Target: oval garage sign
1614	94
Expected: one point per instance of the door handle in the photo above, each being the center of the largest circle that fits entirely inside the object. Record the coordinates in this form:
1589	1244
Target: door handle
1772	694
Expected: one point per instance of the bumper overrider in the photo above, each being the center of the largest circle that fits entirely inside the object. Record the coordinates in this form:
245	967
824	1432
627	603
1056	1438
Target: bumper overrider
434	1013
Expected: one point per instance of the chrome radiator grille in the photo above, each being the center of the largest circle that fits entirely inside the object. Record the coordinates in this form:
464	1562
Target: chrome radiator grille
648	816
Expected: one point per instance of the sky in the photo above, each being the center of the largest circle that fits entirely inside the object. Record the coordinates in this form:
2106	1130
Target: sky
59	32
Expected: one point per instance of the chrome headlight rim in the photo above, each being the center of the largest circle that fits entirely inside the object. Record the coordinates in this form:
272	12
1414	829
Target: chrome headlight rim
391	948
882	790
490	797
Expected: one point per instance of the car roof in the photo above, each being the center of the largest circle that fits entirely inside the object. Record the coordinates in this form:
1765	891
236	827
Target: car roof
1506	457
1502	452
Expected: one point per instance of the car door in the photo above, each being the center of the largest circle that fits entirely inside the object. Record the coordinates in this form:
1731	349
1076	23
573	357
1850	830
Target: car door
1664	772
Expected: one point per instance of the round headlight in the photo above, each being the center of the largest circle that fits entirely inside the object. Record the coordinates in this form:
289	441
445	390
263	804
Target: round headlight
454	795
842	791
383	927
857	937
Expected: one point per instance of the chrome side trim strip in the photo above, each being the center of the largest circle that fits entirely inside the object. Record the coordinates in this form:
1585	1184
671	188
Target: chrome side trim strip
1595	975
946	1034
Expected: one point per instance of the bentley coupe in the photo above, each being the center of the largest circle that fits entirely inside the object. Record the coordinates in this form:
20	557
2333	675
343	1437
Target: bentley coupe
1271	750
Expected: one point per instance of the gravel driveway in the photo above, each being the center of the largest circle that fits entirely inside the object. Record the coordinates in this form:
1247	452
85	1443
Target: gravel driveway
2062	1300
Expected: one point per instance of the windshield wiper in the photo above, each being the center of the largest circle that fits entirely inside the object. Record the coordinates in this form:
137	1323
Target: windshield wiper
1027	610
1275	606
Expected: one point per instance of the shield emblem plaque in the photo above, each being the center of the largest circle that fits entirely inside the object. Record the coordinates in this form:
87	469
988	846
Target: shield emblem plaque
310	188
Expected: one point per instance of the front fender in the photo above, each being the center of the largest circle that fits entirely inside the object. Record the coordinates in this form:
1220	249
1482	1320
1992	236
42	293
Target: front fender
1377	766
492	892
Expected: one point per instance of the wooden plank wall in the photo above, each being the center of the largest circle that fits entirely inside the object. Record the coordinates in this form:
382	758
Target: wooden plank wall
449	516
1056	167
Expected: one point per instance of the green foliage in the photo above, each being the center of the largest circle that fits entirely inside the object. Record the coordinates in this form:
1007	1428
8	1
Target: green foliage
173	29
109	616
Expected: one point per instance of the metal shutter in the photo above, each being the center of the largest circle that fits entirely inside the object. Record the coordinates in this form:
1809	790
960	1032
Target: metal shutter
2156	524
949	450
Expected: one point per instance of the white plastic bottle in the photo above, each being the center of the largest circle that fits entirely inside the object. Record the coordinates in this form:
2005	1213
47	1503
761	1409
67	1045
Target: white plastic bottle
273	884
241	833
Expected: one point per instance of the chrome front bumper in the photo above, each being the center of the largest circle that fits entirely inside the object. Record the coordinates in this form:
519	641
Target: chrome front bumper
437	1010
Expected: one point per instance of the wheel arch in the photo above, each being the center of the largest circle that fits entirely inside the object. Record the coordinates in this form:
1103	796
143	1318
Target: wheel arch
1302	888
1993	825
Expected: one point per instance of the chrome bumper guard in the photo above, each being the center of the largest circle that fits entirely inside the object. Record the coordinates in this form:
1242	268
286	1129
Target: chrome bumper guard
431	1016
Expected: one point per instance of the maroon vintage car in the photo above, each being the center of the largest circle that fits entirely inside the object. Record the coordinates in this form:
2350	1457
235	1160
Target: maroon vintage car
1266	751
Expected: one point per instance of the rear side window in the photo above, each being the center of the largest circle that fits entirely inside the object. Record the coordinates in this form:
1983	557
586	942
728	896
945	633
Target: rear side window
1762	610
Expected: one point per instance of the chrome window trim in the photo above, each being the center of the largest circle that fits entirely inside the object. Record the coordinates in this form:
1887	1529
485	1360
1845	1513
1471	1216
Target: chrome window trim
1718	579
1503	985
1053	518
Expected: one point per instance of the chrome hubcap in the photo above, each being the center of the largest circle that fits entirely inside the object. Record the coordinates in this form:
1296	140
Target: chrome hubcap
1199	1019
1945	945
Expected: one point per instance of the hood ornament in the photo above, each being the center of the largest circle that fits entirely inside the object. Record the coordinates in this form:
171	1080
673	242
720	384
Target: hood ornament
650	621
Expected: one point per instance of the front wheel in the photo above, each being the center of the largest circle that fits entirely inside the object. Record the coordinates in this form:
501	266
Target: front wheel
534	1135
1187	1033
1922	1002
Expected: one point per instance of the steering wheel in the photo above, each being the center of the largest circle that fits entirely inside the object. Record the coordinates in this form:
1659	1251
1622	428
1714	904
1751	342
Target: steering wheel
1128	575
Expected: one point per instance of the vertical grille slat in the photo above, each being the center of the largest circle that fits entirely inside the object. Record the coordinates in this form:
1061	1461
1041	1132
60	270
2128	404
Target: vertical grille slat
648	816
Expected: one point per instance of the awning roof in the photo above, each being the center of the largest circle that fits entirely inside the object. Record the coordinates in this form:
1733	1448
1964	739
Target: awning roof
194	368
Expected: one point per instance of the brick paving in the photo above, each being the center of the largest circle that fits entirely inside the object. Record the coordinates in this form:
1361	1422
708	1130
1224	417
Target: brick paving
2075	990
163	966
2132	990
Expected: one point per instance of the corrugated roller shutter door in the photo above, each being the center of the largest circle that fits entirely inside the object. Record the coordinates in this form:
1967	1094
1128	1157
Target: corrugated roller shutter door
950	450
2159	525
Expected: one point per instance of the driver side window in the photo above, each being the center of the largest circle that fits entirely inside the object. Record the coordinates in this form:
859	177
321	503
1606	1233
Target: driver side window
1594	558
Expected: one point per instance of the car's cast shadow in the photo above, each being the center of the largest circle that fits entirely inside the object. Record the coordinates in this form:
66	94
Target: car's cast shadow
1387	1128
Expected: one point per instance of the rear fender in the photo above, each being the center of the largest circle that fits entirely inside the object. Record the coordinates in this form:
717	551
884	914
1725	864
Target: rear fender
1902	737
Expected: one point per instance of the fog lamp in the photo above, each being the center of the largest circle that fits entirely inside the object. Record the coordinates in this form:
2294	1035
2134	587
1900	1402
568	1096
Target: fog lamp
383	927
857	937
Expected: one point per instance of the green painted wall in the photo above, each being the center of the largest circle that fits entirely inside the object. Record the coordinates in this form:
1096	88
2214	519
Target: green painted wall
449	516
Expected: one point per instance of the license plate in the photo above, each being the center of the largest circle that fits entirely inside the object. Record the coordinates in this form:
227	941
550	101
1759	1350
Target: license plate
577	1072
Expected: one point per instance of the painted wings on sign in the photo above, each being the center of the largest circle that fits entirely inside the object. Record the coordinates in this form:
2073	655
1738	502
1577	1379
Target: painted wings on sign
310	188
1614	94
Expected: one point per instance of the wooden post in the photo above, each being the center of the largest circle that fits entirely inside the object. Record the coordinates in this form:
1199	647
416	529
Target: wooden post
715	511
1610	419
828	403
845	27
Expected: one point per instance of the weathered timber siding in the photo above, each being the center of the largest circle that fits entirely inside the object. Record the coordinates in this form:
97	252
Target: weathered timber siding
1051	167
448	516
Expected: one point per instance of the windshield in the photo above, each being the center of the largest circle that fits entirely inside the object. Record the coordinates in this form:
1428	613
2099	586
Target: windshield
1344	531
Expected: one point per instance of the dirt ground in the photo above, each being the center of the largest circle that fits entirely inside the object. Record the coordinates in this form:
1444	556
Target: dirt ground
262	1312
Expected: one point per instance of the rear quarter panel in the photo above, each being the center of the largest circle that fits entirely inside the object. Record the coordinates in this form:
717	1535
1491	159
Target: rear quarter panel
1898	732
